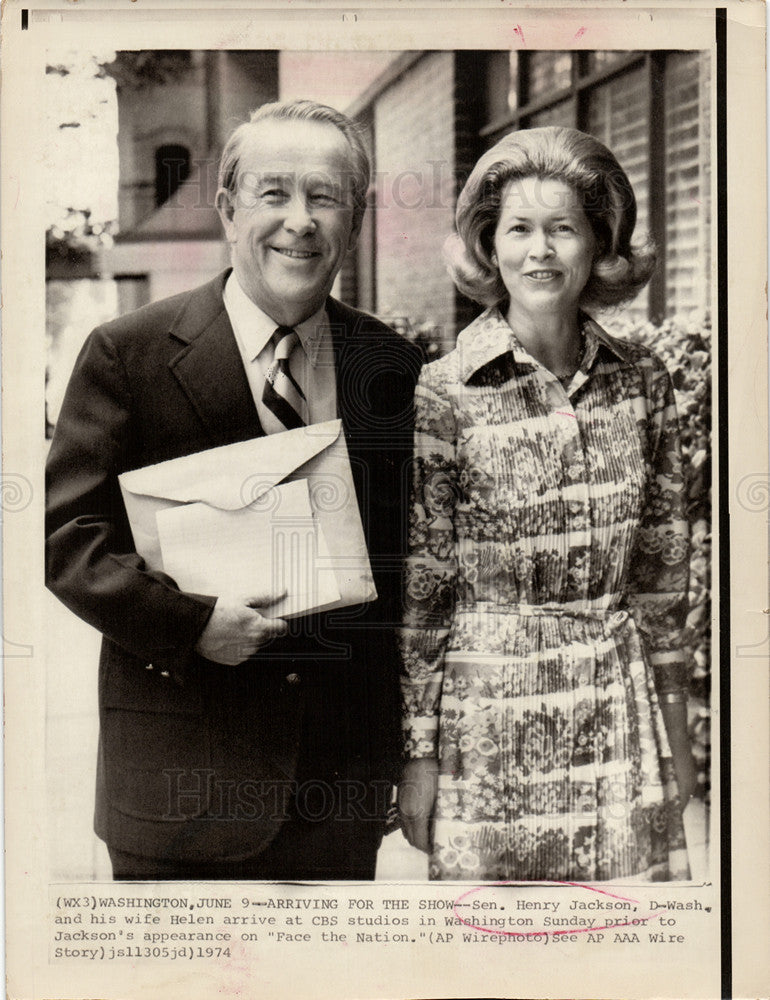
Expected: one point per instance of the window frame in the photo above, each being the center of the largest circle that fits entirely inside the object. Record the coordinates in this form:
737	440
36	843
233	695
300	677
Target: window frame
582	83
163	158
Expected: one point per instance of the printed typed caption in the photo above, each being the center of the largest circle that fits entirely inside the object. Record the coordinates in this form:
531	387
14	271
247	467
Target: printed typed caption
99	926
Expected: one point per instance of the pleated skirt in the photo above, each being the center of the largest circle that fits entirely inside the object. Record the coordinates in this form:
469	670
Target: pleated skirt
555	764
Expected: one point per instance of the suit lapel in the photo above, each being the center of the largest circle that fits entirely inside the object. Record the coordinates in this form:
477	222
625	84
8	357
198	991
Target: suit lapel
209	367
350	361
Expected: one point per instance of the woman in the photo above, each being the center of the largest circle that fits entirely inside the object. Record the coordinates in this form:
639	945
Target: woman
544	684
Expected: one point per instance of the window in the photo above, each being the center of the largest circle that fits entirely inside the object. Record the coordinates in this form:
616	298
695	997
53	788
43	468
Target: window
548	72
597	61
652	110
618	114
172	168
687	182
557	114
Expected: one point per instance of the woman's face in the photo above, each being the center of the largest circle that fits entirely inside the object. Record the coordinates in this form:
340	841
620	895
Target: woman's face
544	246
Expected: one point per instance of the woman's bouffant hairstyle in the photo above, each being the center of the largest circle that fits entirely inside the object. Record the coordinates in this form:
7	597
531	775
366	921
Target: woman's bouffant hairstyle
577	159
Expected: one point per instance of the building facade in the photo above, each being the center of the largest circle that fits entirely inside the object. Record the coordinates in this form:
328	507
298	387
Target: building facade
171	129
430	115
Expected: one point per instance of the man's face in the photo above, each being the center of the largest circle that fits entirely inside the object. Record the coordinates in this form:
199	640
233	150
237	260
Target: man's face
292	220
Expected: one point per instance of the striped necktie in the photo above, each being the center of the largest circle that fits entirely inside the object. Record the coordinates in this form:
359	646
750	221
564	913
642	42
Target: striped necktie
282	394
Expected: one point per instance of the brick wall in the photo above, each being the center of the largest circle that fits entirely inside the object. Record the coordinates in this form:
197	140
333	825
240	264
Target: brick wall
415	166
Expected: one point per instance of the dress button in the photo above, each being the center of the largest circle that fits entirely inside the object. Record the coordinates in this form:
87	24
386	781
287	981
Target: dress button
148	667
292	679
165	673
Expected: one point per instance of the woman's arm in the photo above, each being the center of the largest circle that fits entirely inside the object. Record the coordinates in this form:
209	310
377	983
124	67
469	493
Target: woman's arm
675	718
429	604
658	589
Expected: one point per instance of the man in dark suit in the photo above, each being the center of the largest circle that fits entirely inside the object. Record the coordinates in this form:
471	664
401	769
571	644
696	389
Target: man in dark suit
233	744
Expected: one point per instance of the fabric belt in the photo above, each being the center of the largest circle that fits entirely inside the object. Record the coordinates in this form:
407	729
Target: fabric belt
611	617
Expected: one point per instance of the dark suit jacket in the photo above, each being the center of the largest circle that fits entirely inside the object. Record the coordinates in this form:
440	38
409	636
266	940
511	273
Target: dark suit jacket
194	756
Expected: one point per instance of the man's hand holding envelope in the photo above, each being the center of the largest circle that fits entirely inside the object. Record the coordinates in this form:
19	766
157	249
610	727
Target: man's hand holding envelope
270	526
238	628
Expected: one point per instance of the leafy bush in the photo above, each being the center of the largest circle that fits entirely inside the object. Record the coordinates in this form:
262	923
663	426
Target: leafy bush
426	335
135	70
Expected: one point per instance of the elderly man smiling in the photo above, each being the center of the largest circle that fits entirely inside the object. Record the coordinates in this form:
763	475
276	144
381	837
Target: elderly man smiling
231	744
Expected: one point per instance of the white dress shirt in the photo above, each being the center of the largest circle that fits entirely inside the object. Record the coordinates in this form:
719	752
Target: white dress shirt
311	362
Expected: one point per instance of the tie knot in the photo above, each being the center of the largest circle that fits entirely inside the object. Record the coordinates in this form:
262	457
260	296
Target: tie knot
284	340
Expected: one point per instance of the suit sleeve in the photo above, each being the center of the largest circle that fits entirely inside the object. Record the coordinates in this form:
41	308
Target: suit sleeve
430	570
91	564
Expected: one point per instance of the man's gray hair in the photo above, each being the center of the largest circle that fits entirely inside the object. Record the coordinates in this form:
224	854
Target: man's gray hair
307	111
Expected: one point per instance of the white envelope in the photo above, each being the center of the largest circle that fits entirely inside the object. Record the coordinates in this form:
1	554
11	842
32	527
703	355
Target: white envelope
237	477
273	546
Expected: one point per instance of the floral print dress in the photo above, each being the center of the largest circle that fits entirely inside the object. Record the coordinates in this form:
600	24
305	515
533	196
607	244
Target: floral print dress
546	597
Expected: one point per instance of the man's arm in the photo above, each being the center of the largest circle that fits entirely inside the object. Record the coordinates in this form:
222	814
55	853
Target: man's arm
91	564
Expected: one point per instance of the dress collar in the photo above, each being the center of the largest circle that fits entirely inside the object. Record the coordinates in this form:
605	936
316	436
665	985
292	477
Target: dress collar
489	337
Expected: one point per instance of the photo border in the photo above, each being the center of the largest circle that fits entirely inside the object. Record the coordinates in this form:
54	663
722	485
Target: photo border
726	484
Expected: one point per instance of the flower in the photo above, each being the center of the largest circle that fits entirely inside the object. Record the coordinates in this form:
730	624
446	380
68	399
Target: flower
674	549
486	747
650	540
463	685
448	857
522	565
460	842
658	819
439	493
421	583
